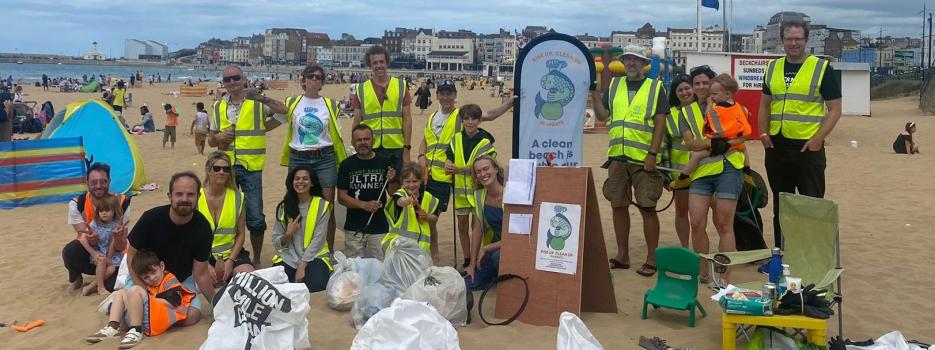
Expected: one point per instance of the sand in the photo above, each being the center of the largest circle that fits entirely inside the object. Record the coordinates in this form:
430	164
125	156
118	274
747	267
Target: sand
885	209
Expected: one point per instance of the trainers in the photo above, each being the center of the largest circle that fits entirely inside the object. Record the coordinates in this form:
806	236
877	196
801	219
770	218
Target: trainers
131	339
680	183
104	333
654	343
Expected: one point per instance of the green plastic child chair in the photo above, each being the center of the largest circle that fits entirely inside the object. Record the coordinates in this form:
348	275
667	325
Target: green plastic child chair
677	282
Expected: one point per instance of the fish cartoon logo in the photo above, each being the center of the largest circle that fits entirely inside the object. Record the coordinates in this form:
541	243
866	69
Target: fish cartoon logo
558	91
559	229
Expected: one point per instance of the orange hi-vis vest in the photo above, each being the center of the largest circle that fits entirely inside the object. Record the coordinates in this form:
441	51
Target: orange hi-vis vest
86	206
729	123
161	315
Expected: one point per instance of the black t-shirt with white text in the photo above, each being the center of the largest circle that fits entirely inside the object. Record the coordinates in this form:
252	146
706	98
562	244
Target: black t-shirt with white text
176	245
363	180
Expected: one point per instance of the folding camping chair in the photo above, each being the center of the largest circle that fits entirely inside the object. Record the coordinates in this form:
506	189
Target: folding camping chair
811	246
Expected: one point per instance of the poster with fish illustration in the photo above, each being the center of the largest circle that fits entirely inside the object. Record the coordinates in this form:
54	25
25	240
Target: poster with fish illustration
553	78
557	248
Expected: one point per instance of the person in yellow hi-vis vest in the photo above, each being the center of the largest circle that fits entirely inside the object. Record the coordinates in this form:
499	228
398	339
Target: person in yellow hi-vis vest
314	136
684	120
222	204
793	121
440	127
383	103
300	233
239	125
465	147
410	211
636	106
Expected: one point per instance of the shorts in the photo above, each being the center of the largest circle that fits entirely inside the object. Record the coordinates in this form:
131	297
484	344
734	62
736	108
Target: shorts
726	185
241	259
168	133
145	325
325	166
364	245
200	138
463	211
441	191
629	184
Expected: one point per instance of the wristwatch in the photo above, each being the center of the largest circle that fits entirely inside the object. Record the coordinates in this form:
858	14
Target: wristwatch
407	147
652	153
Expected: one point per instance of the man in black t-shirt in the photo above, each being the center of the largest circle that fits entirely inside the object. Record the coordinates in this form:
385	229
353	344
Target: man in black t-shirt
362	181
181	237
794	120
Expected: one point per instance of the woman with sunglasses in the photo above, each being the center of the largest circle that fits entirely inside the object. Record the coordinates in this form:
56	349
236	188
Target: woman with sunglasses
314	137
299	233
222	204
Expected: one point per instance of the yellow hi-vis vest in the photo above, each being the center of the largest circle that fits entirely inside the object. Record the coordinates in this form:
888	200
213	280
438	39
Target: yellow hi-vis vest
337	143
406	223
119	95
249	146
464	183
710	166
437	145
386	120
480	197
225	229
679	154
796	111
319	211
631	124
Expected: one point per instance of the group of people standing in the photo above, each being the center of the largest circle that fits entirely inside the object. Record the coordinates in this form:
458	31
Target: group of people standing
704	130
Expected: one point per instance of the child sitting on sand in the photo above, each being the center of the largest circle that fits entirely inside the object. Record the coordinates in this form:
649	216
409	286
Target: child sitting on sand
106	249
150	311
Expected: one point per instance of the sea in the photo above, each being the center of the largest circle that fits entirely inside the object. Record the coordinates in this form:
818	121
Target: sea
31	73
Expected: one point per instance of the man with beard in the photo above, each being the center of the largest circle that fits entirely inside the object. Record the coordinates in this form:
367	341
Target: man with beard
181	237
362	178
77	259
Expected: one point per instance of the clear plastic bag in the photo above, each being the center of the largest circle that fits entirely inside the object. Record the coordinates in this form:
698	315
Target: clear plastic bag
350	275
443	288
404	263
372	299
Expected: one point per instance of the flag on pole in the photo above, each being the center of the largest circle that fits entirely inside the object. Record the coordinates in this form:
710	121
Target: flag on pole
710	4
41	171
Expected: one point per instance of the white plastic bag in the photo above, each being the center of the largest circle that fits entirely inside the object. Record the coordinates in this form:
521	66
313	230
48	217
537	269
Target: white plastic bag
371	300
890	341
574	335
407	325
444	289
123	274
404	263
260	310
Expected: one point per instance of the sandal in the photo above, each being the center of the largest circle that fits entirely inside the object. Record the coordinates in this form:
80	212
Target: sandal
704	279
617	264
646	270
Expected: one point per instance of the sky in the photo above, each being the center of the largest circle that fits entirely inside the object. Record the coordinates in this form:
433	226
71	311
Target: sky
69	27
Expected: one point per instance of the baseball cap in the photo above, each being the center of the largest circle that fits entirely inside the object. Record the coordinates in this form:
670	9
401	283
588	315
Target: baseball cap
635	51
447	85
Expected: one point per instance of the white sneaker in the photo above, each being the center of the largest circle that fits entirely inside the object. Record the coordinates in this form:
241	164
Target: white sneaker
102	334
131	339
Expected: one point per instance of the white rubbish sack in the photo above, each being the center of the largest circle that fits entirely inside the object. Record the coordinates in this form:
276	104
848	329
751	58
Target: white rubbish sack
350	275
574	335
371	300
404	263
407	325
123	274
444	289
260	310
890	341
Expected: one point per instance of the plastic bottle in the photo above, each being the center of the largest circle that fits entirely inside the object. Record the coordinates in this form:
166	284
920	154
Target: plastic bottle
774	267
783	285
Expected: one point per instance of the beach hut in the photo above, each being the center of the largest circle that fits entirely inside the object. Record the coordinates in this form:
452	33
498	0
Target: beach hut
105	140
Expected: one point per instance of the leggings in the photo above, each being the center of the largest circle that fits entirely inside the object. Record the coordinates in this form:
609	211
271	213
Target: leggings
78	261
316	274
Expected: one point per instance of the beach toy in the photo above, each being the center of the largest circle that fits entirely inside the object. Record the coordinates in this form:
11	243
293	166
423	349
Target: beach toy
26	327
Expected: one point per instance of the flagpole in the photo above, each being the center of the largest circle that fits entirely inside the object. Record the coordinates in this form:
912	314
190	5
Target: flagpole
698	30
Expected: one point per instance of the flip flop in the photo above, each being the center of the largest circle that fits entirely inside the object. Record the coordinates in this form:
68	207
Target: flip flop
28	326
617	264
647	267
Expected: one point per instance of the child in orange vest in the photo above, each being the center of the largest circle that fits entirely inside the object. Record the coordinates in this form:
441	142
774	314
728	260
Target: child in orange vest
726	126
150	311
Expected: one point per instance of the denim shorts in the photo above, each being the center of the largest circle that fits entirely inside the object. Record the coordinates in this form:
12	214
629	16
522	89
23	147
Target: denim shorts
325	166
726	185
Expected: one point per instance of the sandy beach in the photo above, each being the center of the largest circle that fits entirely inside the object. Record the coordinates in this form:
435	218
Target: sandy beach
885	210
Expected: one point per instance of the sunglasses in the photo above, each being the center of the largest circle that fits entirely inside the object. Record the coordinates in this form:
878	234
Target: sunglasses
232	78
219	168
95	182
699	69
317	77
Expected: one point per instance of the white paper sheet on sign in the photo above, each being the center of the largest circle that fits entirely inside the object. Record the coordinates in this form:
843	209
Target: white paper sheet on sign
558	232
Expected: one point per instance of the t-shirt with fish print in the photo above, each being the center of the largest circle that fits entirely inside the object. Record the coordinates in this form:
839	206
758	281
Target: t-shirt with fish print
310	122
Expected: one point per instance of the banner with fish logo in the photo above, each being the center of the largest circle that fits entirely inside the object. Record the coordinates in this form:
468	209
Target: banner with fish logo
554	75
